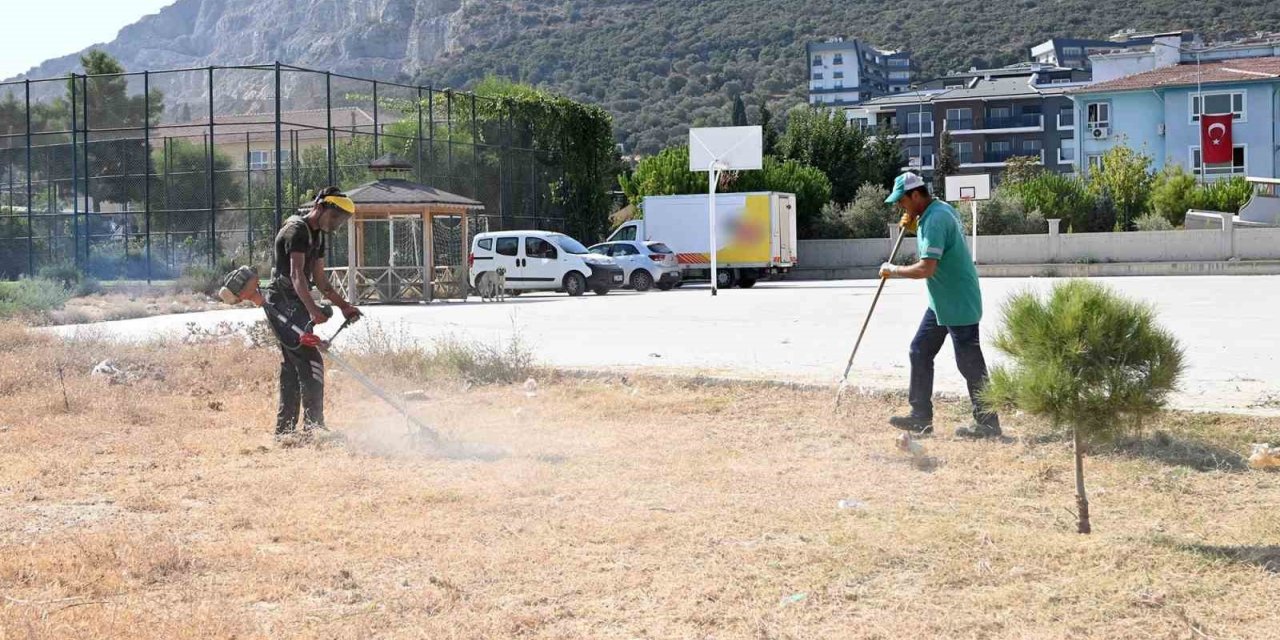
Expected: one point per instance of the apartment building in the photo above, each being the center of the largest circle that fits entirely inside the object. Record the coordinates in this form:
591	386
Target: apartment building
1075	53
846	72
991	116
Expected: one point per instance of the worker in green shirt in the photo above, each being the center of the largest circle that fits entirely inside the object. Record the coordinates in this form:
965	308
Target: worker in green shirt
955	307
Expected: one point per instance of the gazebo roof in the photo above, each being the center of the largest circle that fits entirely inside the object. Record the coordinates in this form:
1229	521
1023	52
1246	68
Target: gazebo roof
390	191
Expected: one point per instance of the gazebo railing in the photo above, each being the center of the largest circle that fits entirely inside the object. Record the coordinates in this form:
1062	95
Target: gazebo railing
381	284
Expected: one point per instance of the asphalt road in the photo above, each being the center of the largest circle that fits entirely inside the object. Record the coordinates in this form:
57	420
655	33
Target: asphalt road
803	331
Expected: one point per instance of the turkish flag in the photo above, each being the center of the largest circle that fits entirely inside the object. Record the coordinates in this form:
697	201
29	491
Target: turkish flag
1215	138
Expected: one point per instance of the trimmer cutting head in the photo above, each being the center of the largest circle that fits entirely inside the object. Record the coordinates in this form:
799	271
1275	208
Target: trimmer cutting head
240	285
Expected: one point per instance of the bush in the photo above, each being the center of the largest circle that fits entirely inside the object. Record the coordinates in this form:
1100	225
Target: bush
1003	214
88	286
1068	365
1153	222
1227	196
1173	193
64	274
1055	196
866	217
35	296
1124	178
208	280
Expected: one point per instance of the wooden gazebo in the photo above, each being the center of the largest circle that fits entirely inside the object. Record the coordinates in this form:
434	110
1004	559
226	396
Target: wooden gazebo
407	242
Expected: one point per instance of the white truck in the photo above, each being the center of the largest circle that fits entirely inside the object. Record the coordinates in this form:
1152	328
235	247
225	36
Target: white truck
755	233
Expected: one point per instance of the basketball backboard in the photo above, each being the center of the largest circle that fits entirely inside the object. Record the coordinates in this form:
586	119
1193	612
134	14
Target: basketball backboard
969	187
727	148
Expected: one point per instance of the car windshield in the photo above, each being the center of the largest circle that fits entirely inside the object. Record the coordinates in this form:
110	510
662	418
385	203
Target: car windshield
569	244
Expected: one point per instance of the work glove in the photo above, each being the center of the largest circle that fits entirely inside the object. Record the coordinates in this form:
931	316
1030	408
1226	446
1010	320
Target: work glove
888	269
310	340
909	223
351	313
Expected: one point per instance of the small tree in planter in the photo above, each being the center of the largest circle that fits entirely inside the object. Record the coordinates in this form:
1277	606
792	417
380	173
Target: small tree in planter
1087	359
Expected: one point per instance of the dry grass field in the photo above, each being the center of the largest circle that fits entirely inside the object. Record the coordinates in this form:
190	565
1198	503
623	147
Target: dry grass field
158	507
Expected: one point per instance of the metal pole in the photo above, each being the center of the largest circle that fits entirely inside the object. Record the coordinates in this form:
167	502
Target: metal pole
88	235
974	204
248	193
418	138
328	119
213	195
375	118
431	126
711	224
31	227
75	171
475	152
146	182
279	175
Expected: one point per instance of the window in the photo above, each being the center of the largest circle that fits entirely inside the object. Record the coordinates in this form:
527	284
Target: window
1237	166
1094	162
658	247
265	159
1031	109
1031	147
837	59
817	61
539	248
899	75
508	246
963	151
1214	103
899	62
999	113
920	122
817	75
919	156
959	119
839	75
1067	151
1060	81
1099	114
1066	118
623	250
839	85
1072	52
486	244
999	147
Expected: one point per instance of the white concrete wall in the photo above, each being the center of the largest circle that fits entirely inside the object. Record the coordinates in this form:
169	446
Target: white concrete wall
1200	245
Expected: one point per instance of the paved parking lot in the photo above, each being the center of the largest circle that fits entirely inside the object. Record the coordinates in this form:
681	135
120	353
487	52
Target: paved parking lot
802	331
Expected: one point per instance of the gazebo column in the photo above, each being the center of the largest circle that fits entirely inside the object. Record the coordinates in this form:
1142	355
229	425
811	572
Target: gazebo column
428	255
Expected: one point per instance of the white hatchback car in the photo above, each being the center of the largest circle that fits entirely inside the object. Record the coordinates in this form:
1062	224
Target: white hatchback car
540	261
644	264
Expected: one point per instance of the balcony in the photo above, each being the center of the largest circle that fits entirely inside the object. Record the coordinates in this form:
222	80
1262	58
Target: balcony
1025	123
995	159
915	130
917	163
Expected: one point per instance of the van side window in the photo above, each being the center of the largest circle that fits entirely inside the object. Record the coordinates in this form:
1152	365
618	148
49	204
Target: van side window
627	234
539	248
508	246
486	244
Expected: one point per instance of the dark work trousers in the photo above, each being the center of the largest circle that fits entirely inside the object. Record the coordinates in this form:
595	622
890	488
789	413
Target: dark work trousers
301	368
925	347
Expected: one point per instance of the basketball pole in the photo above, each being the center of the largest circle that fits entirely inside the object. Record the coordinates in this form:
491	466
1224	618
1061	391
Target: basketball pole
974	204
712	181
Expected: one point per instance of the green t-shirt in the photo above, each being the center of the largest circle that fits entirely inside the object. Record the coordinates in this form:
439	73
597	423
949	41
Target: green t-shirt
953	290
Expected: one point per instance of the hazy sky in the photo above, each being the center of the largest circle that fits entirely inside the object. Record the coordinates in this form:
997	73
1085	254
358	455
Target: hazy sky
37	30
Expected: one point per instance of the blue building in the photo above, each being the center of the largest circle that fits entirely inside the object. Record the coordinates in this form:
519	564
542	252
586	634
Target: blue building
1158	113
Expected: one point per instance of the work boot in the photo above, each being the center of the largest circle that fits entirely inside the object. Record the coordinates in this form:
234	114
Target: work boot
978	431
913	424
291	439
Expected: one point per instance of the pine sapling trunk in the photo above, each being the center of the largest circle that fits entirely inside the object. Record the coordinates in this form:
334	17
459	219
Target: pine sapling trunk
1082	499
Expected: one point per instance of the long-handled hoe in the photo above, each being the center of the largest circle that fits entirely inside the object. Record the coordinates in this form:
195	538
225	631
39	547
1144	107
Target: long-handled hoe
844	381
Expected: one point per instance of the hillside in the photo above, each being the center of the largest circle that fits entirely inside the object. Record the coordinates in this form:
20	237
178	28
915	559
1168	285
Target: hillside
657	65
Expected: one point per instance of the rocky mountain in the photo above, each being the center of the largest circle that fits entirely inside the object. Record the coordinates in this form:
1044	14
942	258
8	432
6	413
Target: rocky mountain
657	65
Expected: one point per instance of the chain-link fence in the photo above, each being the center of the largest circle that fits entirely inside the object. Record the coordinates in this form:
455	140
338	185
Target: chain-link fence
110	175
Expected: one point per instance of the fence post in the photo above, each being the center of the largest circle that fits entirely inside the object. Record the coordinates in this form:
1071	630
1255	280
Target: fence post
88	196
375	119
211	173
75	172
248	193
279	175
431	126
31	227
418	142
328	118
1228	235
146	181
1055	239
475	152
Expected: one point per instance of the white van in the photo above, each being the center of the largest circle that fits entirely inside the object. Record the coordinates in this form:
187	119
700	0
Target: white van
540	261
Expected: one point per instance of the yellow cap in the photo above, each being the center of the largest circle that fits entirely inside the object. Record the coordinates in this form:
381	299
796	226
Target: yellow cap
342	202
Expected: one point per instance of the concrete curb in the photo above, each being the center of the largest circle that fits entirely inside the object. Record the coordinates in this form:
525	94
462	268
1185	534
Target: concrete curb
1071	270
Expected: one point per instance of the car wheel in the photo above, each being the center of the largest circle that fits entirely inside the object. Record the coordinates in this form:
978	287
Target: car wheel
747	283
725	279
600	291
641	280
667	286
574	283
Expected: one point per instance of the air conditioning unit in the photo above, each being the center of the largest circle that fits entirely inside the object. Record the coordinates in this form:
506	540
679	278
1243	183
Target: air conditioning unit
1100	132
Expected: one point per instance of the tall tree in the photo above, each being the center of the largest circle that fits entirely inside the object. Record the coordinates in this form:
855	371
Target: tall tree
946	165
884	158
825	140
739	112
116	150
769	130
1124	178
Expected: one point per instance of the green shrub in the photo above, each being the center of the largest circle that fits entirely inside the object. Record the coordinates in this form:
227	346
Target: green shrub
1227	195
65	274
1173	193
1153	222
1003	214
35	296
1055	196
866	217
88	286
